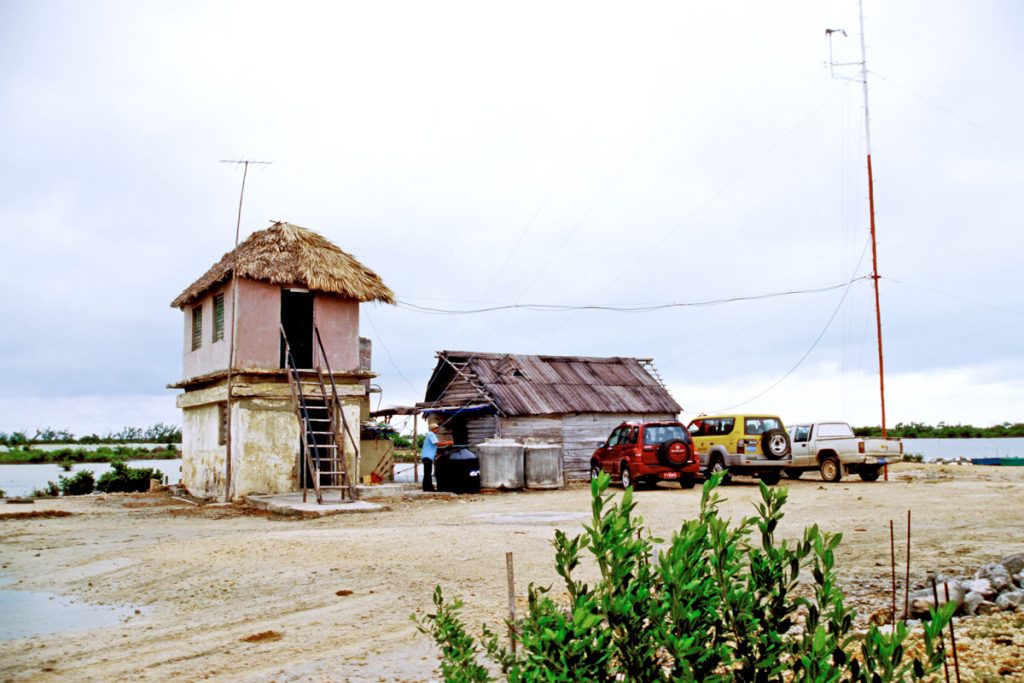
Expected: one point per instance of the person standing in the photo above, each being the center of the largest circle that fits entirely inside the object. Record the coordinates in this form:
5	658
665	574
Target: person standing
427	455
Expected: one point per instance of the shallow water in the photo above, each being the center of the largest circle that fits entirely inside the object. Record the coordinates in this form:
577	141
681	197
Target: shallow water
32	613
949	449
20	480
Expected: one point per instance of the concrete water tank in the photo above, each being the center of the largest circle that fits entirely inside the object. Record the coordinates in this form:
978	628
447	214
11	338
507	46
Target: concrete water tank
543	466
501	464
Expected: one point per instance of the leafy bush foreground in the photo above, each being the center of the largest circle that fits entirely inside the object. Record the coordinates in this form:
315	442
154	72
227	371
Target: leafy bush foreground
718	603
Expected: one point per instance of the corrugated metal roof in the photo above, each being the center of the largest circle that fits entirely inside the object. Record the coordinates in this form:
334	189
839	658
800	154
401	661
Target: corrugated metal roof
540	385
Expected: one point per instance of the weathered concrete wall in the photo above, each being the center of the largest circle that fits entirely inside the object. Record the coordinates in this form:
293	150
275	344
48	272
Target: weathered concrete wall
266	451
203	461
265	435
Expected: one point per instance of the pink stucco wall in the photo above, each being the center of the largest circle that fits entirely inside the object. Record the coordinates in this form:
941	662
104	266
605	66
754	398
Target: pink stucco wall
259	325
338	320
212	355
259	320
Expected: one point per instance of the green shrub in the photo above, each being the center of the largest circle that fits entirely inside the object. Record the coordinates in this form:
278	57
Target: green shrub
913	457
81	484
719	603
50	491
123	479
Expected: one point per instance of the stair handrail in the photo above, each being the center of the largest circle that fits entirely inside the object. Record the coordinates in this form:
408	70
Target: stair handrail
353	492
306	432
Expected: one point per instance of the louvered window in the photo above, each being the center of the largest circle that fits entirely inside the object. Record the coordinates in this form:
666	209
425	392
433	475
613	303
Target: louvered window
197	327
218	317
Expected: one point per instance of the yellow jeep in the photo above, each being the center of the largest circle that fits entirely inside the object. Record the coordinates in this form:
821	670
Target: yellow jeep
742	444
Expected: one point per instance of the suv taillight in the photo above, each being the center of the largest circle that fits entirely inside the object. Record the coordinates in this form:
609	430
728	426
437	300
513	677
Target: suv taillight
860	447
740	443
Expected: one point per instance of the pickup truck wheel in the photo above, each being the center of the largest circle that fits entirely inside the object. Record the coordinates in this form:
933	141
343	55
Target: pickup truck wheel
718	465
831	470
595	470
793	474
627	477
770	478
868	473
775	443
687	481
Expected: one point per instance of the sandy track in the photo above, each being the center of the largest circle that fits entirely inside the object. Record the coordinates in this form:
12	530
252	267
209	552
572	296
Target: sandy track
206	578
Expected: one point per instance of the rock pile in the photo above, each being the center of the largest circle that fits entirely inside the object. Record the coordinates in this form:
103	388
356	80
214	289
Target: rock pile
996	587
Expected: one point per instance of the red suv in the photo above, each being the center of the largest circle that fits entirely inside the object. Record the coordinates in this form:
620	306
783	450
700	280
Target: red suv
646	452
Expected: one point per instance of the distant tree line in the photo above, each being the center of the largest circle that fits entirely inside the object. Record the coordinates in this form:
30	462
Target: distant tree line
920	430
157	433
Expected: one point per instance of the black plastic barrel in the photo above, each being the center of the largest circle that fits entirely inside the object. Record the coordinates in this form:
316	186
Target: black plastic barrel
457	470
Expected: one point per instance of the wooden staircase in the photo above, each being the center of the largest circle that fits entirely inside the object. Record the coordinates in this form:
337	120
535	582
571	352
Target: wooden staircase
322	427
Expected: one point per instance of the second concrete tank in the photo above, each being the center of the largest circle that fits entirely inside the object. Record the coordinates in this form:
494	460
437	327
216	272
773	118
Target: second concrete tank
501	464
543	466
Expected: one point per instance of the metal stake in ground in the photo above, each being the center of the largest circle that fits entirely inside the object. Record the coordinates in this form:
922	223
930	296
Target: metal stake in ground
942	645
952	638
892	563
906	586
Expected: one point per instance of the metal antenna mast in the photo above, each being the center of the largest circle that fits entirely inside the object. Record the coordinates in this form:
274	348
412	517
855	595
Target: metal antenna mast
234	324
863	64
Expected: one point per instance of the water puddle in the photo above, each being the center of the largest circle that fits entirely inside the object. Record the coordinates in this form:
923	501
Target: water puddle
31	613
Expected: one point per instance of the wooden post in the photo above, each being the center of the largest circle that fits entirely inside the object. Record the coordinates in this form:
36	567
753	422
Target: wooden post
511	601
415	453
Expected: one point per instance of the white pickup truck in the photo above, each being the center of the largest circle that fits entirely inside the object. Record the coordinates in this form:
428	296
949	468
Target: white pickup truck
832	449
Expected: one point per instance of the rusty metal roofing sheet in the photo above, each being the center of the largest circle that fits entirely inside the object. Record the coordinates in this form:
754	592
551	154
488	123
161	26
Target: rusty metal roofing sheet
539	385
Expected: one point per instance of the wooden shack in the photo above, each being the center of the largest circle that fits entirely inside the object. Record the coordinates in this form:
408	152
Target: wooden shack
242	432
568	400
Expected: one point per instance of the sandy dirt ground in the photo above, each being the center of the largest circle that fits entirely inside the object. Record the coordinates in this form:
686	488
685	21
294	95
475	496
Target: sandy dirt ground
224	593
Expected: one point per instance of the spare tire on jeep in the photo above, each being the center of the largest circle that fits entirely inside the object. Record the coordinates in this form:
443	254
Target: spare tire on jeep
674	453
775	443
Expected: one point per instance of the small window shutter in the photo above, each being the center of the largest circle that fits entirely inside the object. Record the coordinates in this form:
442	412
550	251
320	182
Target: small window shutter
218	317
197	327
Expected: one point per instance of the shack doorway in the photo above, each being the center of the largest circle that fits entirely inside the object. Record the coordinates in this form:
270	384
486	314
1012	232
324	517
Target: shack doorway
297	320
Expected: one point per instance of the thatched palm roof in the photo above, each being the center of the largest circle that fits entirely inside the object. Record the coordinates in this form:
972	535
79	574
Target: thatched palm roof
285	254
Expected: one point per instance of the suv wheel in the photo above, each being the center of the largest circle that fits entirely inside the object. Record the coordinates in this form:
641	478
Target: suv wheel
627	477
770	478
831	470
718	465
793	474
595	470
687	481
775	443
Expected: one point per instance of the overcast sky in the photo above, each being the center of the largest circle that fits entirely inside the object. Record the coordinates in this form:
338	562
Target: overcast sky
533	152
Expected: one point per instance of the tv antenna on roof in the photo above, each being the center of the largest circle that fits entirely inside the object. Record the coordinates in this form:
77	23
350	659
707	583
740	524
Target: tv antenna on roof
234	324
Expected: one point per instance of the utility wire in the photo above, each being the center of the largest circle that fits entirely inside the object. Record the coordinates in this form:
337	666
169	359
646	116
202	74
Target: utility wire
388	351
561	308
818	339
949	112
803	357
956	296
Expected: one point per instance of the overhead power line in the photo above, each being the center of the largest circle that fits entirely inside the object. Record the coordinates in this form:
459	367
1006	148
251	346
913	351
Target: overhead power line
559	308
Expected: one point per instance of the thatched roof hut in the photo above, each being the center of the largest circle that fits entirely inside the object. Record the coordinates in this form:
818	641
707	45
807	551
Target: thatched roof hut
287	255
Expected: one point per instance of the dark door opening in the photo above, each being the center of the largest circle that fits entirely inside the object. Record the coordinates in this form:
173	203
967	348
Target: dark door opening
297	320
